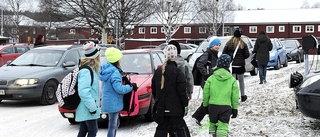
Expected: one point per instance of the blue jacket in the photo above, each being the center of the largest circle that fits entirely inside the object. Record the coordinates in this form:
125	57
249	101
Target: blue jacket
90	96
112	88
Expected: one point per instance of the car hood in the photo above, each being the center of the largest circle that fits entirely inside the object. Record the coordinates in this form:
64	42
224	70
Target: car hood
140	79
23	71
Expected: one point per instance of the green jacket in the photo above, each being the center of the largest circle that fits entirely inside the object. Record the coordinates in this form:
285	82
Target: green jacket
221	88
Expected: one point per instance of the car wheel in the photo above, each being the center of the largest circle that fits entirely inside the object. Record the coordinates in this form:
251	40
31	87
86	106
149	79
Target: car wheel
278	65
254	72
285	63
299	58
72	120
149	115
49	93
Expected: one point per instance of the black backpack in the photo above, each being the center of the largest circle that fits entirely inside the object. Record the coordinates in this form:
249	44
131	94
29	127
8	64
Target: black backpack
67	91
197	76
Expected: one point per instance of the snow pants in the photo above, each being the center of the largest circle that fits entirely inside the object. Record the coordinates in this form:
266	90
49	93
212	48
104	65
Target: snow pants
177	122
219	120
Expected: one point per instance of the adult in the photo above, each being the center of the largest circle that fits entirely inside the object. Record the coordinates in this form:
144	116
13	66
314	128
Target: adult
39	41
261	50
236	44
169	88
113	89
88	110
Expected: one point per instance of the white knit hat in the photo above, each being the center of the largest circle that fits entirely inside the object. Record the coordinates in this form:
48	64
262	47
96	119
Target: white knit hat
170	51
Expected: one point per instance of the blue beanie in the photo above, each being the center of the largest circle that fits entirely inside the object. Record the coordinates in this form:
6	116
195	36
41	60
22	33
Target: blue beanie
214	41
224	61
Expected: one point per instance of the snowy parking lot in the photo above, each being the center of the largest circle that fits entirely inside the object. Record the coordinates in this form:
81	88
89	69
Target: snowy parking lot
269	111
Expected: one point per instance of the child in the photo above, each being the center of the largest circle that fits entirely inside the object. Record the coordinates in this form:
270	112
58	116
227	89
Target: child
220	97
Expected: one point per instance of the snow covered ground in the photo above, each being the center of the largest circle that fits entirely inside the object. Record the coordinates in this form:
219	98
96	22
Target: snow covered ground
269	111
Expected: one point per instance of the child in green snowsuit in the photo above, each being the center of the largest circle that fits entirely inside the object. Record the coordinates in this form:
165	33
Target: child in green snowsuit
220	97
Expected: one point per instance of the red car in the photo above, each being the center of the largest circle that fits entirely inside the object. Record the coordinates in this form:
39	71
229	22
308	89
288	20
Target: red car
140	65
10	52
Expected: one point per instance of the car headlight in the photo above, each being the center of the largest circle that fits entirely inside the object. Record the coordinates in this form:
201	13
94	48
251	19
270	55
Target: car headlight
310	80
24	82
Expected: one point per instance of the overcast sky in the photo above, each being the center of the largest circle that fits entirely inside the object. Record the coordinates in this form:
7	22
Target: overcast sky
273	4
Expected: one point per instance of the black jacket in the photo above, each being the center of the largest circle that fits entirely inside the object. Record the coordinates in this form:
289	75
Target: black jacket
205	61
241	55
173	96
262	47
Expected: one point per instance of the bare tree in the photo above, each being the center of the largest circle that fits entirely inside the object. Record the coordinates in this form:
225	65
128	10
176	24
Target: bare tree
316	5
214	13
171	15
305	5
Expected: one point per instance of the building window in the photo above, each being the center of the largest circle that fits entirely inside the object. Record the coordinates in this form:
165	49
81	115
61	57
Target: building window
72	31
309	28
253	29
153	30
296	29
202	30
318	28
142	30
270	29
162	29
281	29
226	30
187	30
92	31
34	31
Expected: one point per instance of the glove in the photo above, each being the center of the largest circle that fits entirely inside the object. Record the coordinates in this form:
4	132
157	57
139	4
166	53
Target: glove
234	113
134	86
125	80
206	109
186	109
94	112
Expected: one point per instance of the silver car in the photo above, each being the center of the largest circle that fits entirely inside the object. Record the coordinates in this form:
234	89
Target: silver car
35	74
205	44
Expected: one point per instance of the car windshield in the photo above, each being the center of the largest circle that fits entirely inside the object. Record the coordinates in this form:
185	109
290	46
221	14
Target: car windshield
274	44
205	44
136	63
38	58
289	44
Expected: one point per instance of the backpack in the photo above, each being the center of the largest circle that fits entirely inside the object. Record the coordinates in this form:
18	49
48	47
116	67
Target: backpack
197	76
67	91
130	101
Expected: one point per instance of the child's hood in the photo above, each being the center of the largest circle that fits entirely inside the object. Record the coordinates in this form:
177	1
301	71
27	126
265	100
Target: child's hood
106	70
222	74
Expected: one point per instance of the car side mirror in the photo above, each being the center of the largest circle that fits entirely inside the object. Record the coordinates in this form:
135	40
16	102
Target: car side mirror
69	64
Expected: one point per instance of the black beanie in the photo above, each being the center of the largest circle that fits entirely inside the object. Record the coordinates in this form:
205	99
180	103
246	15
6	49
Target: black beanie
176	43
237	33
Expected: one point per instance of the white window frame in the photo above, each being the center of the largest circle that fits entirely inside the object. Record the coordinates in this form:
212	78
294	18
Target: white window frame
162	29
72	31
311	27
153	30
187	30
270	31
282	28
253	29
92	31
142	30
318	28
34	31
296	26
202	30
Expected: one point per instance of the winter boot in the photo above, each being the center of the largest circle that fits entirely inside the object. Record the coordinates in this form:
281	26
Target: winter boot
243	98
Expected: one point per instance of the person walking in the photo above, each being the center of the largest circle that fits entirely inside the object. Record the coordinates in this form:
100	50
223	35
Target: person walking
169	88
184	67
113	89
220	97
205	64
261	50
88	110
238	50
39	41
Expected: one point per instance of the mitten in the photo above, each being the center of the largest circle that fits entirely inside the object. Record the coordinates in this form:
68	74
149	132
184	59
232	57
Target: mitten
134	86
234	113
186	109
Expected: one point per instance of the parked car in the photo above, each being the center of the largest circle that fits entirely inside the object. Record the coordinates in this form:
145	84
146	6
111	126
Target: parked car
147	47
186	50
140	65
278	55
294	50
205	44
193	45
307	95
10	52
35	74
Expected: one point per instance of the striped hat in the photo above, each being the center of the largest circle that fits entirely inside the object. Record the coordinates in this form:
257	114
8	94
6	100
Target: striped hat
91	51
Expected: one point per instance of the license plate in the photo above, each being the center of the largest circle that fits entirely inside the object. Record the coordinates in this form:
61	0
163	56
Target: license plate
2	92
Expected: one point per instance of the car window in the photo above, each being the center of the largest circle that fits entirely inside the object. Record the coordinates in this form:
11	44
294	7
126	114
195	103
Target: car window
73	55
247	41
156	60
290	44
161	55
183	47
136	62
8	50
205	44
22	49
39	57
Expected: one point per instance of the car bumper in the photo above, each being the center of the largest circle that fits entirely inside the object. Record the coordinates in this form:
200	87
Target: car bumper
22	93
292	57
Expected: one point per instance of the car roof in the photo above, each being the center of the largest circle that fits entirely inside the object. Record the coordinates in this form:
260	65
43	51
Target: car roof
60	47
140	50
